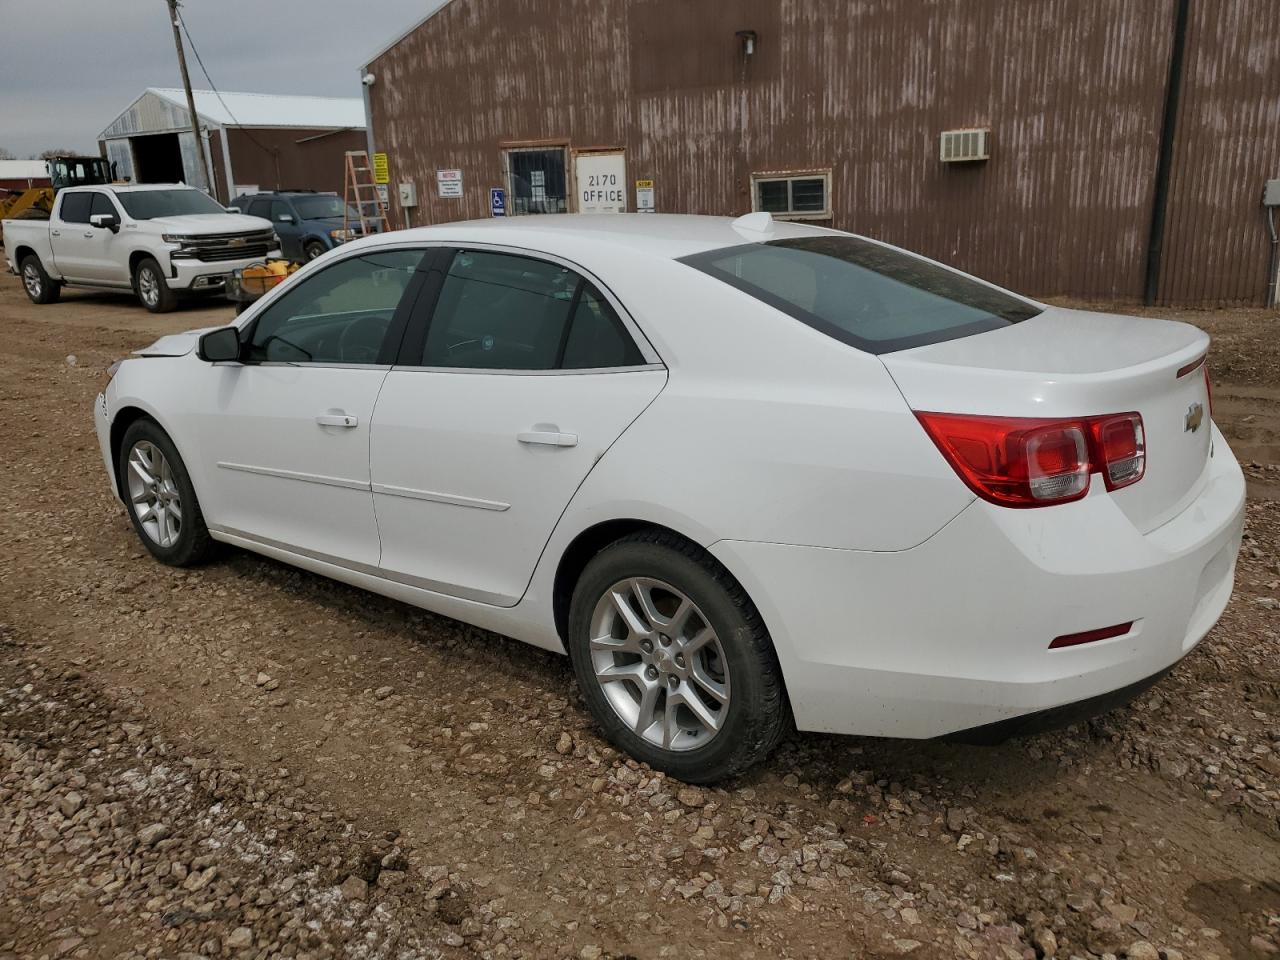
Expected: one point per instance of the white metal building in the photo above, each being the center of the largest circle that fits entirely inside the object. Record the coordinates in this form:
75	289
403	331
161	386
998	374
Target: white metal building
252	140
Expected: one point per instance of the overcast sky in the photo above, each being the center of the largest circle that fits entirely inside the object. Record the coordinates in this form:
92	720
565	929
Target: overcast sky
69	67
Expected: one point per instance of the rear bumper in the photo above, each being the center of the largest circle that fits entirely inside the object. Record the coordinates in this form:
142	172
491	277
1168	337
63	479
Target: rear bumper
954	634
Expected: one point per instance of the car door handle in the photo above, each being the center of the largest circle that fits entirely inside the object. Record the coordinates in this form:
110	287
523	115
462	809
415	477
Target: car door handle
55	233
549	438
336	420
89	235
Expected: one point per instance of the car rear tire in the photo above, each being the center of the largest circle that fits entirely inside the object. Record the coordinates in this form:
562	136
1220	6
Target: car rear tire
159	497
674	660
151	287
313	249
40	287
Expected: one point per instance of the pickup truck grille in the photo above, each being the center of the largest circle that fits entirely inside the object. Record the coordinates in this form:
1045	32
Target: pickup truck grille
211	248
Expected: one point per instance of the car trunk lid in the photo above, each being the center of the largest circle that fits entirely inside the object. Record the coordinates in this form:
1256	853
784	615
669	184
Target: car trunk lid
1072	363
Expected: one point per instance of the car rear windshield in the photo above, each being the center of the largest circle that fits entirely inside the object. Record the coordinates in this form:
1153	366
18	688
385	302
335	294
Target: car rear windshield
323	207
149	204
873	297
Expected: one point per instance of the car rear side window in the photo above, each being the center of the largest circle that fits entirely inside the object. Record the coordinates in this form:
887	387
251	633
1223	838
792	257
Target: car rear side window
499	311
870	296
75	207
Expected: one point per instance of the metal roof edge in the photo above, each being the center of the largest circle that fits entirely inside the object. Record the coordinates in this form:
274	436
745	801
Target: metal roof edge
164	94
364	64
102	134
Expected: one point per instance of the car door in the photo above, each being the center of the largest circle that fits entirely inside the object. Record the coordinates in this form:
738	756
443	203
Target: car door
103	260
70	235
288	229
283	436
516	375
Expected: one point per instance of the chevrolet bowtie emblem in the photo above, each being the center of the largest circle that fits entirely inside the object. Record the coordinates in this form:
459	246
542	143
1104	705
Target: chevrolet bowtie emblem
1195	416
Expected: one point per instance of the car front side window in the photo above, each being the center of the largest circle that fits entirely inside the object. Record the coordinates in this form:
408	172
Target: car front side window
339	315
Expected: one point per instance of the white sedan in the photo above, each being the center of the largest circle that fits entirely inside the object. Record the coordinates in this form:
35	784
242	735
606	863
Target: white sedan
746	474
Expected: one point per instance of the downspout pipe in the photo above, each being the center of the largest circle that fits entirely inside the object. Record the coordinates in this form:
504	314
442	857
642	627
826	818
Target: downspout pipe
1164	164
1273	284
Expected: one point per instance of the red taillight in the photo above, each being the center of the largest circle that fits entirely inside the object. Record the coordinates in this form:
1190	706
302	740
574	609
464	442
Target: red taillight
1121	448
1024	462
1208	389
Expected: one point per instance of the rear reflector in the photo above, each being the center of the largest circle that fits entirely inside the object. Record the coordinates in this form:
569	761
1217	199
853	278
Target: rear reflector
1192	366
1024	462
1090	636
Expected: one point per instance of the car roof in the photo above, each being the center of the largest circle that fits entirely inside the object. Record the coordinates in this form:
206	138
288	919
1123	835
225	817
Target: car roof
290	193
139	187
664	235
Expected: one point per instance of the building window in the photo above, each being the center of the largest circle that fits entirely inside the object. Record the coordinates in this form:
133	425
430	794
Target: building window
804	196
537	180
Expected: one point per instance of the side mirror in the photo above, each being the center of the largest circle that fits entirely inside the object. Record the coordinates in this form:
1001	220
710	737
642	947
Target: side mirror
105	221
233	209
219	346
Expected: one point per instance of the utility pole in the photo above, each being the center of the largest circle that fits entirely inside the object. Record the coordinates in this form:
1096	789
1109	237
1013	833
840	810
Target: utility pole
201	161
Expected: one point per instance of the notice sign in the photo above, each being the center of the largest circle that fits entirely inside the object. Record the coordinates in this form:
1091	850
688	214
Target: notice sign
601	182
449	183
381	172
497	202
644	196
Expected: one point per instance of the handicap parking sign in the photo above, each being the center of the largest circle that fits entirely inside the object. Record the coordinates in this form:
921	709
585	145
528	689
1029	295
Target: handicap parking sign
497	202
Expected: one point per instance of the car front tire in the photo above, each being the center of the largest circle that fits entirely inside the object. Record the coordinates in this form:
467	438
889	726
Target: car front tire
152	288
159	497
674	660
40	287
313	249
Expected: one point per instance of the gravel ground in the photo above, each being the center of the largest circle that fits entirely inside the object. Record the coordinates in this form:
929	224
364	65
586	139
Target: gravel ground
245	760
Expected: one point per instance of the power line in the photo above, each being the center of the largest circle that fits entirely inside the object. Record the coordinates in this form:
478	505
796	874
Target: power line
209	80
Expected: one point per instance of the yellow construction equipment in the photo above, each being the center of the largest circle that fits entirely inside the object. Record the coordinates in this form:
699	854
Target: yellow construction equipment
36	203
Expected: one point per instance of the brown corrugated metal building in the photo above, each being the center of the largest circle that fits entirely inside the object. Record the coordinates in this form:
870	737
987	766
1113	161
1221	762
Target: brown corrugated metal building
253	141
835	110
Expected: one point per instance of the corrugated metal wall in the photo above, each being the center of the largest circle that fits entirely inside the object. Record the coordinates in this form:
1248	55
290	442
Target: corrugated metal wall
1072	90
1216	244
291	158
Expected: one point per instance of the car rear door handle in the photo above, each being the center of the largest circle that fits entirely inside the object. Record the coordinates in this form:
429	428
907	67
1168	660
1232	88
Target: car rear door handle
55	233
548	437
336	420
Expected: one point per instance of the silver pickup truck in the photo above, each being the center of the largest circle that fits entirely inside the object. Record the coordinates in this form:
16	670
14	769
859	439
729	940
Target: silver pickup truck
158	240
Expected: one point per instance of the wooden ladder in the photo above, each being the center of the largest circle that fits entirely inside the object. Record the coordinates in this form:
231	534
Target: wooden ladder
362	194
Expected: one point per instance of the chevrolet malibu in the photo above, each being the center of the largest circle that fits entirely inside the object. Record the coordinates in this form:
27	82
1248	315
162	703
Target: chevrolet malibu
746	474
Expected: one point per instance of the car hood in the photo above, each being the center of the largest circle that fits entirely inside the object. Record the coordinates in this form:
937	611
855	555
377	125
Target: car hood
175	344
199	224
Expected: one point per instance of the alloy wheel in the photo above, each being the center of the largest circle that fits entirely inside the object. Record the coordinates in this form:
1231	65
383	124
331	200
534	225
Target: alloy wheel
660	664
31	280
153	491
148	287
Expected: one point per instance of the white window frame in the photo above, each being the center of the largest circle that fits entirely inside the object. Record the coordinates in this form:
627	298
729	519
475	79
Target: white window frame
790	177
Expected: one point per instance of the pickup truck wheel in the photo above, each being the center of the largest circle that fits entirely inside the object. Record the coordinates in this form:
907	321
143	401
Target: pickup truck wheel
40	287
313	249
149	282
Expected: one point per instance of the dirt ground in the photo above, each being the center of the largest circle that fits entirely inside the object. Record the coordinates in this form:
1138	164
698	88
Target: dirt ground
245	760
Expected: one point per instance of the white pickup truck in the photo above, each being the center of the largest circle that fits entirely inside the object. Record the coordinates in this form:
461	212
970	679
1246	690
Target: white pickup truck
155	239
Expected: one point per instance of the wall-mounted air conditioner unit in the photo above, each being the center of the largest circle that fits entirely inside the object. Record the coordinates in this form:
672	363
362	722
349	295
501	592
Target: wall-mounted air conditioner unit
960	146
